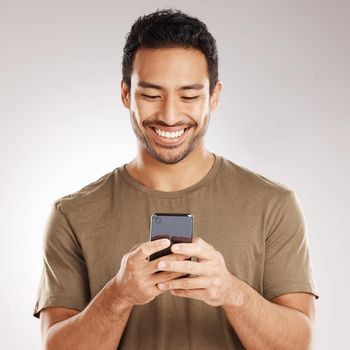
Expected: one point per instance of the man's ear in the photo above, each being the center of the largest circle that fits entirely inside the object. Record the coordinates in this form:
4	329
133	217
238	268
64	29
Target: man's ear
125	94
214	98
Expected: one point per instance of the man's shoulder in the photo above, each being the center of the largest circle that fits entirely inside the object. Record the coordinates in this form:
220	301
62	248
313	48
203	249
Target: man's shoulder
92	194
251	182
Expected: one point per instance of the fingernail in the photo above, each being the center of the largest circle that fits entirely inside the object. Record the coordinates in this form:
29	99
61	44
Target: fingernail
164	241
161	285
176	247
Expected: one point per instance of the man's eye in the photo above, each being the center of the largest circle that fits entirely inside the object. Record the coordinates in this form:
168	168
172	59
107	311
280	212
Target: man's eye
189	98
151	97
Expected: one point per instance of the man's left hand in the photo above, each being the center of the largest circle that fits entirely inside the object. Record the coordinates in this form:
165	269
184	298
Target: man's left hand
213	283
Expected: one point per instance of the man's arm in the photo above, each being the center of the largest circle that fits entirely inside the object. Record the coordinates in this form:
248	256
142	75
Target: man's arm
101	324
285	322
259	323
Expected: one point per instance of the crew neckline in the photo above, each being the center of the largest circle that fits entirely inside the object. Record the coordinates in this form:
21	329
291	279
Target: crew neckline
172	194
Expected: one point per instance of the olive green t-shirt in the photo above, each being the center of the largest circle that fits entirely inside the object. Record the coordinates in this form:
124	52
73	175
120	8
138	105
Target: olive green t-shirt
256	224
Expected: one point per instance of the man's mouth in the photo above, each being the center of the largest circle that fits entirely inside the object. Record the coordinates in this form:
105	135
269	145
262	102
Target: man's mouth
170	135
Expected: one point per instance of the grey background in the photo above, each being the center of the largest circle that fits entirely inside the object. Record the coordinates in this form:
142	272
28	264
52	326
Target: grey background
284	113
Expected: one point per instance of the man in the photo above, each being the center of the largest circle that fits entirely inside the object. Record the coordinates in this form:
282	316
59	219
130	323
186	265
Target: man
251	285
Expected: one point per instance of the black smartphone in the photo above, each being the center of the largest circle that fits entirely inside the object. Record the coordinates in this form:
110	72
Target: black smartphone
176	227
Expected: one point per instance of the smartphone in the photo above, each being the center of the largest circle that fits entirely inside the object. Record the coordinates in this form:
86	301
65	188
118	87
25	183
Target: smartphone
176	227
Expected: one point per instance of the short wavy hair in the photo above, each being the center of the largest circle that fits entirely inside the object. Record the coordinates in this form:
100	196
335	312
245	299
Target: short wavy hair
166	29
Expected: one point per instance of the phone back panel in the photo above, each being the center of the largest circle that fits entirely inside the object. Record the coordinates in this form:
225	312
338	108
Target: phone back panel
176	227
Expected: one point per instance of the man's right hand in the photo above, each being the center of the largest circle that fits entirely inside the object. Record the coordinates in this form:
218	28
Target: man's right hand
101	324
137	279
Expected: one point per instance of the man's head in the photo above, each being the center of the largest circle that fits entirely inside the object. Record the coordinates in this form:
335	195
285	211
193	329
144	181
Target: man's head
166	29
170	83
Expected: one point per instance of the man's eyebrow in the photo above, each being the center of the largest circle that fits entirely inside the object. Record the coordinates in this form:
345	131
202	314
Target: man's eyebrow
192	87
145	84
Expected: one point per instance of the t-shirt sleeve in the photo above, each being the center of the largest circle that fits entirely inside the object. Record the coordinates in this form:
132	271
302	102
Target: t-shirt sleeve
287	266
64	278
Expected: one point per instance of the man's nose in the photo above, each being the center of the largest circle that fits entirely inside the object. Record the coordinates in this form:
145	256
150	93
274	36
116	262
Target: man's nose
170	111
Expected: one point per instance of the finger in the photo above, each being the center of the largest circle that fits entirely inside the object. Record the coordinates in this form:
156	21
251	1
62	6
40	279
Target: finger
199	294
198	248
163	277
189	267
153	265
148	248
171	257
186	283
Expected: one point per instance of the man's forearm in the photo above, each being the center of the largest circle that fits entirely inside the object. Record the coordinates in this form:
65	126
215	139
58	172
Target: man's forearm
261	324
99	326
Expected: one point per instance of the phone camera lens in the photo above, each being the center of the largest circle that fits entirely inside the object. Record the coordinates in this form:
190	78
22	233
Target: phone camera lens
158	219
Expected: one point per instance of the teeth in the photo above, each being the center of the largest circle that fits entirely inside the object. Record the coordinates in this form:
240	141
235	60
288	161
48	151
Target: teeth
170	135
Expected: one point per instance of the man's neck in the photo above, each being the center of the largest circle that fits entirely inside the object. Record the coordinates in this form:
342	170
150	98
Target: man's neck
171	177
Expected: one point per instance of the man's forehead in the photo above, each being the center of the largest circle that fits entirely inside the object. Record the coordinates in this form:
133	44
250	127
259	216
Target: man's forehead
169	58
157	68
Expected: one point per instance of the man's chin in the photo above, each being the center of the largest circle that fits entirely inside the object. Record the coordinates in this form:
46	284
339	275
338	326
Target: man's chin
170	156
169	159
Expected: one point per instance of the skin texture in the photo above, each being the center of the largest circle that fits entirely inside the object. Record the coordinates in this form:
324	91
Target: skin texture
170	91
171	106
155	102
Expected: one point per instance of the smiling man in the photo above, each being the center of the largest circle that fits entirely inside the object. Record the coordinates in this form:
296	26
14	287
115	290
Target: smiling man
170	103
251	283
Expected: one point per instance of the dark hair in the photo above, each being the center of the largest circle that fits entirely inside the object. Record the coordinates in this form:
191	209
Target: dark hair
170	28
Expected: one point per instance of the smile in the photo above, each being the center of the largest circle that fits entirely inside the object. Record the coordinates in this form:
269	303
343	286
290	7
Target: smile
169	134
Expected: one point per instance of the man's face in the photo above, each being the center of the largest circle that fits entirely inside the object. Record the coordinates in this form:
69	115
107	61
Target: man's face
169	101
